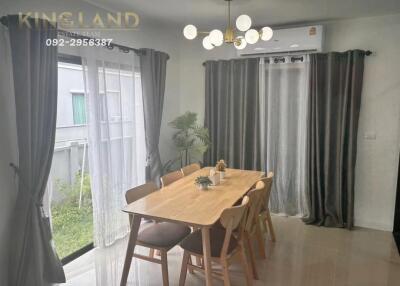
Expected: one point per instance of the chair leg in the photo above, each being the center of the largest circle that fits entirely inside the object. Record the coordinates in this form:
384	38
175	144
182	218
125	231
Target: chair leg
191	262
199	261
225	272
164	267
185	261
260	240
252	258
270	226
246	266
263	221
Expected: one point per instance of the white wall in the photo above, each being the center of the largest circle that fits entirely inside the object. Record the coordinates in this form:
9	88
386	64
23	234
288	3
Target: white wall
376	167
192	85
377	160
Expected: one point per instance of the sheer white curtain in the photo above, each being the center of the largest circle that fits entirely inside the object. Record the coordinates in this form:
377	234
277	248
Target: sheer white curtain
116	137
283	101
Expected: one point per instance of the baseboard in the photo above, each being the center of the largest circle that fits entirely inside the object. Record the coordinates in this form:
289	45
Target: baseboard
374	225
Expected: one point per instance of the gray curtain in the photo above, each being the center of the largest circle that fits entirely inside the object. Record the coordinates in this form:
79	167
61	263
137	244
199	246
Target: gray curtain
153	66
232	112
334	106
33	260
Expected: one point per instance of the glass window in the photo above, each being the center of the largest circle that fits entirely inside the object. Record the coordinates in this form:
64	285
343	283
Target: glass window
79	108
69	182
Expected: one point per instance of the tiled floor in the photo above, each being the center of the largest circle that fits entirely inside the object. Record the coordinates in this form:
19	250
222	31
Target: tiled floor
302	255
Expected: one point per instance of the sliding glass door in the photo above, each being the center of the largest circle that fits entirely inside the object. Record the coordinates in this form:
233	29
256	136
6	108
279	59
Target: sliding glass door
69	182
99	152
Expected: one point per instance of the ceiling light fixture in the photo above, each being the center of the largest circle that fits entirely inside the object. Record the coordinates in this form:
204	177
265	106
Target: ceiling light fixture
216	38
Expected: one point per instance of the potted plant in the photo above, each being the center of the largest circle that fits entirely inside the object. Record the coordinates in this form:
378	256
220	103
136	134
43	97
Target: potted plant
221	168
190	139
203	182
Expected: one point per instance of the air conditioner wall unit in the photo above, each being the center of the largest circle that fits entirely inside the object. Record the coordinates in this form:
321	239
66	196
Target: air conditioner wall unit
291	40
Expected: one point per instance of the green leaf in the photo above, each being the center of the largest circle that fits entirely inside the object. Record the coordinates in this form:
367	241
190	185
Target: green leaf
185	121
189	136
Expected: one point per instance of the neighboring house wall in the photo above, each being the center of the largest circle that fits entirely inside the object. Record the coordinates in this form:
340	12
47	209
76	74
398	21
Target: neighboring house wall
70	81
72	136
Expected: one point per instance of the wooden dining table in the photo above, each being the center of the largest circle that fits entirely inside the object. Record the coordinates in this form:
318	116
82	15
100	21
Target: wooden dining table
183	202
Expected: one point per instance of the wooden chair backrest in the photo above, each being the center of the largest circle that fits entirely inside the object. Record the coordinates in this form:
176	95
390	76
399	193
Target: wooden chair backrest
139	192
230	219
189	169
268	187
255	204
170	178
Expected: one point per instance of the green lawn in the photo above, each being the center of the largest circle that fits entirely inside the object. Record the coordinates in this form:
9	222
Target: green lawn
72	226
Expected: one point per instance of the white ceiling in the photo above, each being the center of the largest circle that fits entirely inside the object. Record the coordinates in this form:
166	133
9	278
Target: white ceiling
208	13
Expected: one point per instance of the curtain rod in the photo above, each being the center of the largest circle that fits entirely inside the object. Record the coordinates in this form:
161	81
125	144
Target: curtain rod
367	53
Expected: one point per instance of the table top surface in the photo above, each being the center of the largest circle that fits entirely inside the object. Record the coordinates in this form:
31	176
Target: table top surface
182	201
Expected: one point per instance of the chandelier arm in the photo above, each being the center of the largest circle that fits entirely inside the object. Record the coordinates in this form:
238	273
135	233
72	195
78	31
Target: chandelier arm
232	35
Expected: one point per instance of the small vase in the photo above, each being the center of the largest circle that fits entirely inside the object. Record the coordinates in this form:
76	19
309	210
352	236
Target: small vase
221	175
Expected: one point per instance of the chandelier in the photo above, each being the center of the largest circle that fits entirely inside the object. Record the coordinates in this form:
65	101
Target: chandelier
239	37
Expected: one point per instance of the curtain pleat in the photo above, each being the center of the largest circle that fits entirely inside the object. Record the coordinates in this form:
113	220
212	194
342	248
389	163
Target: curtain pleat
116	146
153	72
33	259
335	99
284	114
232	113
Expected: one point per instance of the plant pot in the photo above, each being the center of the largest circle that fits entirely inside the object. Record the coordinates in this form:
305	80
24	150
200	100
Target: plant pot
221	175
203	187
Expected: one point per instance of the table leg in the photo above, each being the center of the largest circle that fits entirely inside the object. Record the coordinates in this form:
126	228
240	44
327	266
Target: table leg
207	254
130	248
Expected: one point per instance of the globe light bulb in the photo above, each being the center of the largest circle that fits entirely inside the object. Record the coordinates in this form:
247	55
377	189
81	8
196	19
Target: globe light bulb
207	43
252	36
240	43
243	23
266	33
190	32
216	37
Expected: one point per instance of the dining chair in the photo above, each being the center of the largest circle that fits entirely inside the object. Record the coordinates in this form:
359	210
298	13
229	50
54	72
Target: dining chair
225	246
265	215
252	227
170	178
161	236
189	169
